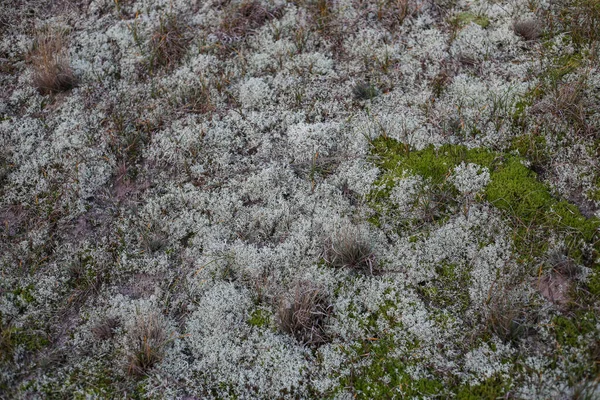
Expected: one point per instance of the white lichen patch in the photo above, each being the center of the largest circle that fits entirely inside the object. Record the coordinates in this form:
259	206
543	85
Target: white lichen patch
470	178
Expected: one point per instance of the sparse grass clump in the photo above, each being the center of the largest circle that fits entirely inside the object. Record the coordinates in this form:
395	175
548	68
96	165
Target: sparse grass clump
587	390
194	99
528	29
147	340
580	19
347	248
241	19
86	278
168	43
153	239
392	13
105	329
569	105
364	91
506	318
304	315
7	332
562	264
52	72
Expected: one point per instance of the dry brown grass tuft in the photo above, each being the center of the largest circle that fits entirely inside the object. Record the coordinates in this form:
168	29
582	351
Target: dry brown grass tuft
52	72
147	340
243	18
528	29
168	43
569	104
348	249
105	329
195	98
305	315
393	13
506	318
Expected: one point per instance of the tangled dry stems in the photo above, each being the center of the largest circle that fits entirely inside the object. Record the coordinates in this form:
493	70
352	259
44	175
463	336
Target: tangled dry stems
305	315
243	18
147	340
52	72
168	43
393	13
347	248
506	318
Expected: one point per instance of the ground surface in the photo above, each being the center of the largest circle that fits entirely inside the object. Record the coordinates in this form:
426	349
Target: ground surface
303	199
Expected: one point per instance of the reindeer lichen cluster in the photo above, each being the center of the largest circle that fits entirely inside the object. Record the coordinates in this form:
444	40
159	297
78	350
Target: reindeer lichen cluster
299	199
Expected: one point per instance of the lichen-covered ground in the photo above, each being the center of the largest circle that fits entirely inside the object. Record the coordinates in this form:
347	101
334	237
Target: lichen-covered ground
300	199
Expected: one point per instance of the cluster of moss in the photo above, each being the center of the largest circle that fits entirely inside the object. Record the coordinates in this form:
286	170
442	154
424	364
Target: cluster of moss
534	214
514	189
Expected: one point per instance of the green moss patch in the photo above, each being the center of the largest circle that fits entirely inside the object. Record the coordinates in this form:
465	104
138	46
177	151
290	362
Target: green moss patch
449	290
385	377
513	188
568	330
492	388
259	318
465	18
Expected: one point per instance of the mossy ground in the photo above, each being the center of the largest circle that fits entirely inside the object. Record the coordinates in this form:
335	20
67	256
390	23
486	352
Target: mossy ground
513	189
534	214
464	18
